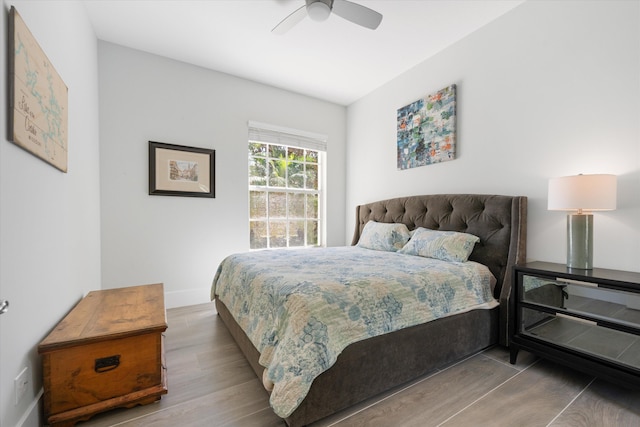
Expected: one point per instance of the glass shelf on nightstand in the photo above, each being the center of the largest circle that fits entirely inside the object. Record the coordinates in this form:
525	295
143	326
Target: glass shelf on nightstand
584	299
586	336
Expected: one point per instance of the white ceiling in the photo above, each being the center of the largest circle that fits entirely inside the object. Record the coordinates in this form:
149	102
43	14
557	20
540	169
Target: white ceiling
334	60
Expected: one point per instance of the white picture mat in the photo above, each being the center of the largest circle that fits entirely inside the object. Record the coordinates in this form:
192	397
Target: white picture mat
163	181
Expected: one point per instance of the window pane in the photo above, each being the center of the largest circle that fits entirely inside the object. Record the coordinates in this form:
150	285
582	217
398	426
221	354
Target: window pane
296	154
277	205
312	233
278	173
278	151
296	175
277	234
257	171
296	205
312	156
312	177
257	205
312	206
296	233
258	234
257	149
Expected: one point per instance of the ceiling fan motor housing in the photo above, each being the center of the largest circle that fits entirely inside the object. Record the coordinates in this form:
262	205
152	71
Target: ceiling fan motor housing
319	10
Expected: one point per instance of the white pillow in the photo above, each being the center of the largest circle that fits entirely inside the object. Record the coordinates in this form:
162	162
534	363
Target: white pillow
443	245
382	236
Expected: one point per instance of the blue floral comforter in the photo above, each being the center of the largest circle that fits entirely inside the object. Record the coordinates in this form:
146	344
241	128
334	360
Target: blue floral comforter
301	308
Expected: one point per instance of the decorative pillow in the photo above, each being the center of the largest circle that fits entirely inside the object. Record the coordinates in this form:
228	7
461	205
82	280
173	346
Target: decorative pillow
382	236
443	245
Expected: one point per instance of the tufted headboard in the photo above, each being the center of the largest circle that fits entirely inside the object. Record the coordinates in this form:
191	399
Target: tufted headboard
499	221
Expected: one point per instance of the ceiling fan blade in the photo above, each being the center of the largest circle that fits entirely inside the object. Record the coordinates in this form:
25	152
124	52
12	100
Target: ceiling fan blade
357	14
290	21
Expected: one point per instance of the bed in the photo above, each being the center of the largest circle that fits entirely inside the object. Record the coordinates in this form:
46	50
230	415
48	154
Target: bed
380	362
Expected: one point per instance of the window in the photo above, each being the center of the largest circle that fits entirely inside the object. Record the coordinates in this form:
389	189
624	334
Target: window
285	188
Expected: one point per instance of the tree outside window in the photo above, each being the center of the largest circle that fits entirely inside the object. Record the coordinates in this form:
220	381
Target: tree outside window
284	196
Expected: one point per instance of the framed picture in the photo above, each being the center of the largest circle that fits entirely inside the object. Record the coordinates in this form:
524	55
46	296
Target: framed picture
177	170
38	98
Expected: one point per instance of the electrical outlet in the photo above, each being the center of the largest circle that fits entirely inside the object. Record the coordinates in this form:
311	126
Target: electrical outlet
20	384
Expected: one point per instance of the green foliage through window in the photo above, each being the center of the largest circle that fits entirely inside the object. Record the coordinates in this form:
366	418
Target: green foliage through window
284	196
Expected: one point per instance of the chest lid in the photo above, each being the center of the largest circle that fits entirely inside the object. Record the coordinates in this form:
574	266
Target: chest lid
108	314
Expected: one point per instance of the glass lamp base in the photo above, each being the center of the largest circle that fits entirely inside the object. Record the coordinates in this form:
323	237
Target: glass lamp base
580	241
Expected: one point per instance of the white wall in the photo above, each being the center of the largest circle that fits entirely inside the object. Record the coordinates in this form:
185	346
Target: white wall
548	89
49	220
180	240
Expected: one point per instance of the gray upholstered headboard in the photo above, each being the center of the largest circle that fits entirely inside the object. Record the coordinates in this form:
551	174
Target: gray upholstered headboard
499	221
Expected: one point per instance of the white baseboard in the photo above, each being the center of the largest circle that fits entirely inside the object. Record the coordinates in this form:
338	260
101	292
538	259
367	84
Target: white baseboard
32	416
189	297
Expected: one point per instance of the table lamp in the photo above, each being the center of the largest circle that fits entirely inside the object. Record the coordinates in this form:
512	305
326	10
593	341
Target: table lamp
581	194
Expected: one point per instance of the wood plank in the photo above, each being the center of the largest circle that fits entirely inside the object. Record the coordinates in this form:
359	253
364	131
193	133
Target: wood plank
501	354
74	382
123	309
196	384
212	409
602	404
263	418
532	398
143	397
433	401
107	314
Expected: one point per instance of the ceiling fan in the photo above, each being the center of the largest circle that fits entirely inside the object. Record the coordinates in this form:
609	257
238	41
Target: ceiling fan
319	10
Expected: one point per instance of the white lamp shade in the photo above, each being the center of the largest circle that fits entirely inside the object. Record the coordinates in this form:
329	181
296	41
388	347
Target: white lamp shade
583	192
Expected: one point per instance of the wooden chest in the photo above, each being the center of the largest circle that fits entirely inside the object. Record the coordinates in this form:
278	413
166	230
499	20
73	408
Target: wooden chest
106	353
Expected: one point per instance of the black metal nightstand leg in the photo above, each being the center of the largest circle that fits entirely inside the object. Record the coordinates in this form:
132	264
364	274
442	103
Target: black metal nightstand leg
513	354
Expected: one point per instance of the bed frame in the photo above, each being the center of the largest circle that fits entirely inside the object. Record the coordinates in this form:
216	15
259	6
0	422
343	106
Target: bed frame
372	366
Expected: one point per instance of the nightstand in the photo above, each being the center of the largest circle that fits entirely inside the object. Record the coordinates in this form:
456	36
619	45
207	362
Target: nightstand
586	319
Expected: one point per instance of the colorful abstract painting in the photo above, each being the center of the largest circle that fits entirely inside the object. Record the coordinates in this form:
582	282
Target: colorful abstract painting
427	130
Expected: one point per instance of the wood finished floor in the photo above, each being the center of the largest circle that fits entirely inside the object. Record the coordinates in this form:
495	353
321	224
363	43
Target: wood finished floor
211	384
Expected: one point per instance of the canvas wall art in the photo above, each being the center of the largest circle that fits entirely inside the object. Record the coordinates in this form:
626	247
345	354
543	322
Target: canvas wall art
427	130
38	98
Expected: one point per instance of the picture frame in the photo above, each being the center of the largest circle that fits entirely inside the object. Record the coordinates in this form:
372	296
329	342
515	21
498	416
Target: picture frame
178	170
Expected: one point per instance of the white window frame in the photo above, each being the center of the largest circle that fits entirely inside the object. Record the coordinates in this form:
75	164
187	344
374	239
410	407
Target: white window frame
277	135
